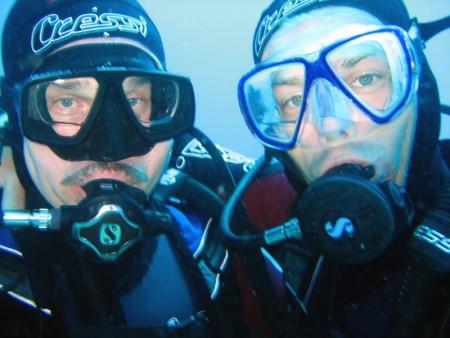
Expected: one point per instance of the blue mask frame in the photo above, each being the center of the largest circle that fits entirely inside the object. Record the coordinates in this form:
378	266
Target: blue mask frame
321	69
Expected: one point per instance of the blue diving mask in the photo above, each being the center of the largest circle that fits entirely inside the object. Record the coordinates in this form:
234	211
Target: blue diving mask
374	73
87	108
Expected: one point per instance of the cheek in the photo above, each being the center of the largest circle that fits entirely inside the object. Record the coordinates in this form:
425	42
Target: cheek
402	136
40	160
46	170
156	161
381	100
159	155
301	159
400	131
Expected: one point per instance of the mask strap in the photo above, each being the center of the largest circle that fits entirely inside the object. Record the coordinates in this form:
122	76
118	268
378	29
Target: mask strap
430	29
445	109
422	32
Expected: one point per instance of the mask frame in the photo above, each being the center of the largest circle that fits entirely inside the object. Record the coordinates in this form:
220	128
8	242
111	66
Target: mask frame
182	119
321	69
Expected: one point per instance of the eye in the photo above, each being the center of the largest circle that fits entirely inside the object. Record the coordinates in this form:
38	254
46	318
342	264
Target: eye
134	101
294	101
291	105
66	102
366	80
290	108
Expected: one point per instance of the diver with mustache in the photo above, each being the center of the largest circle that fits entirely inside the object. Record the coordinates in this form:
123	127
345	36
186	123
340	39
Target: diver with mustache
112	242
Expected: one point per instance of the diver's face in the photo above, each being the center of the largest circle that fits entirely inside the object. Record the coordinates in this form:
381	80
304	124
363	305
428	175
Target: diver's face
335	141
60	180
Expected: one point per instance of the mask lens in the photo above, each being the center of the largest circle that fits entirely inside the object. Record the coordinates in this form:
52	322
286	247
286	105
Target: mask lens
374	70
274	98
64	110
153	101
64	104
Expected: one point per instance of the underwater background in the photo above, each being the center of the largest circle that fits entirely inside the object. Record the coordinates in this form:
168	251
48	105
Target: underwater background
210	41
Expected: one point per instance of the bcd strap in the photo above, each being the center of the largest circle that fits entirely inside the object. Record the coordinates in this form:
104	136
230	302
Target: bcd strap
431	239
430	246
186	193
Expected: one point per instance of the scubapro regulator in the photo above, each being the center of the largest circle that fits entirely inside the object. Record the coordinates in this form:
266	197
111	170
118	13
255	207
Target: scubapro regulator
107	223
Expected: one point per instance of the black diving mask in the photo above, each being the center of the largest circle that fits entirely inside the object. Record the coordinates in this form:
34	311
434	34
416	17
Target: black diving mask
105	112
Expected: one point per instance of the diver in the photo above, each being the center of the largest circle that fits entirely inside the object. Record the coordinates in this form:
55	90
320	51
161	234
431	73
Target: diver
99	236
355	227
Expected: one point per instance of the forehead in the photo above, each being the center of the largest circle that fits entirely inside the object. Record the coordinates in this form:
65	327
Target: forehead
308	33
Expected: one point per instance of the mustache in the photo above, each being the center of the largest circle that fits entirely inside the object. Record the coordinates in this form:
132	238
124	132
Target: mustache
134	175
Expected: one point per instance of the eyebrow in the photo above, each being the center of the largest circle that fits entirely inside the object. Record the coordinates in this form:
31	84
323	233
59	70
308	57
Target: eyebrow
70	84
279	80
135	82
348	63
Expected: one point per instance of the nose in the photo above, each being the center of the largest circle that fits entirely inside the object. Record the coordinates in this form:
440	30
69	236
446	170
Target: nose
330	109
108	134
114	136
329	113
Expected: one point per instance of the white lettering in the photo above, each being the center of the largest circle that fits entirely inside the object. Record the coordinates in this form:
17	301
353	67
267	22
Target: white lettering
272	20
433	237
444	245
52	30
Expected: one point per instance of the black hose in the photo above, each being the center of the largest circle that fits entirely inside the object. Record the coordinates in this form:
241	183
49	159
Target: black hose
242	241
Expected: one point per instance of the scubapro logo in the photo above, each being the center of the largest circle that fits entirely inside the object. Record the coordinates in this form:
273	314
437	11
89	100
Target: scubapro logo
110	234
342	227
434	237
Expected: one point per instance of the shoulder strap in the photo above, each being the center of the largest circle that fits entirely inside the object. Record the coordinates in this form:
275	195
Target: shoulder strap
188	194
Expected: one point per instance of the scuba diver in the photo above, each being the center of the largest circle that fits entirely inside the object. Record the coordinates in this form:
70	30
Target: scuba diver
354	229
99	236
